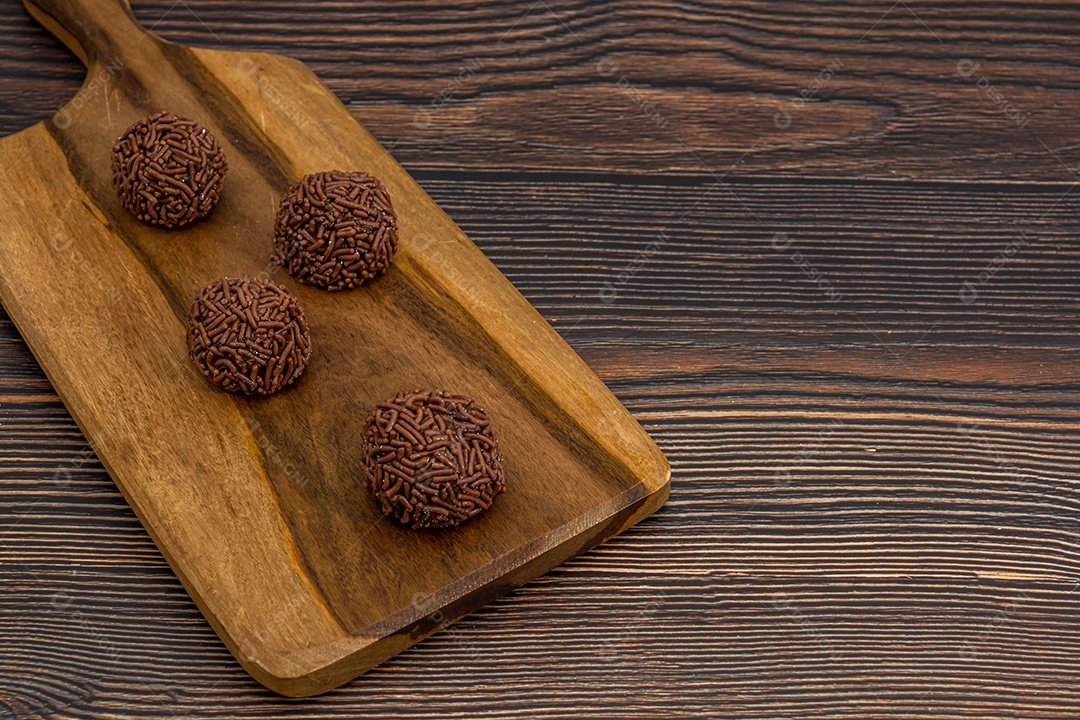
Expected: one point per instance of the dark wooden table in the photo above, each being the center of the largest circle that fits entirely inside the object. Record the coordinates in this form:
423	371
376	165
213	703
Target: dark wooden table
827	253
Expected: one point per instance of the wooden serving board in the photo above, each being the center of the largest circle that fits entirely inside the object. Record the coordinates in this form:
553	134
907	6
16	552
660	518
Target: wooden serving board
259	504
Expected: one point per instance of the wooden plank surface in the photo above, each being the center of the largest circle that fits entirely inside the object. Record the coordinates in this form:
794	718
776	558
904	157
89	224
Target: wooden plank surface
874	500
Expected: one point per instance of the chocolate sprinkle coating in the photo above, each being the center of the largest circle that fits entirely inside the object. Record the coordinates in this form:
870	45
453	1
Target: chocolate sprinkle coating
168	170
336	230
248	336
431	459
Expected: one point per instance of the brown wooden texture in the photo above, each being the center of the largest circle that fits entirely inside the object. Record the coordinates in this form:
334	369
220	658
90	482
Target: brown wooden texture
874	502
259	504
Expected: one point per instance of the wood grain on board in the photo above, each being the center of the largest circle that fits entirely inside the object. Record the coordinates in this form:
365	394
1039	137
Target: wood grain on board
874	499
259	504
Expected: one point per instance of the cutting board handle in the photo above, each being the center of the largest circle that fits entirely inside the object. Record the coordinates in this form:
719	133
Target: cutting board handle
95	30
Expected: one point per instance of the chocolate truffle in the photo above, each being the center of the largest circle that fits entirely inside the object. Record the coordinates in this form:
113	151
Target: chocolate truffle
248	336
168	170
431	459
336	230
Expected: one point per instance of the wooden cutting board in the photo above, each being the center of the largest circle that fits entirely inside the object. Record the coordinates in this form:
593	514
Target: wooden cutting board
259	504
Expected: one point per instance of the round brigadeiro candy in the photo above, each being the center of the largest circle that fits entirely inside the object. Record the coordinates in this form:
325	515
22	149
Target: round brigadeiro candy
248	336
431	459
168	170
336	230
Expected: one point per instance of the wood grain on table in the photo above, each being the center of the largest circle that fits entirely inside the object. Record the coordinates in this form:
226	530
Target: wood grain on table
827	254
